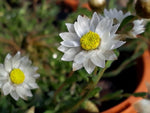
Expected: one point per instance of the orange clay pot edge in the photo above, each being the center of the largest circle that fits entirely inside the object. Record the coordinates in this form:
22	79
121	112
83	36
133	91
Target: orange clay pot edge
126	106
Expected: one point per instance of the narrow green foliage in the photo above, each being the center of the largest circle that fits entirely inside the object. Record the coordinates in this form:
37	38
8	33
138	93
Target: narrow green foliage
140	94
112	96
126	24
94	92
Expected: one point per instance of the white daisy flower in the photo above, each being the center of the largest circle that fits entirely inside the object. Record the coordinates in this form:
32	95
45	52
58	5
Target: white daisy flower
142	106
17	76
89	42
115	14
138	28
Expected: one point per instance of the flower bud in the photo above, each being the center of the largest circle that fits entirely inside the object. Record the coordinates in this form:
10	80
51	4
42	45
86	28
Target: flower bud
97	5
142	8
91	107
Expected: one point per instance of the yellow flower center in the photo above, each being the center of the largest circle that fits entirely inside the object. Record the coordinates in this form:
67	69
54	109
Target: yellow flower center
17	76
90	41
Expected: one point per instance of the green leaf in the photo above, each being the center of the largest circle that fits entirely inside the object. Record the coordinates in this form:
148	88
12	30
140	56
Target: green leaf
126	21
65	105
112	96
49	111
94	92
71	79
140	94
108	64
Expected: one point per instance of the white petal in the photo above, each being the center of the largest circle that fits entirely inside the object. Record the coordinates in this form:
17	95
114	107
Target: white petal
14	95
3	71
7	88
100	54
114	13
70	54
142	106
24	85
98	61
77	66
33	85
110	55
36	75
2	78
68	43
1	84
62	48
105	38
106	42
16	60
70	27
7	63
104	26
80	57
99	28
21	92
25	62
108	24
69	36
117	44
82	26
138	27
29	78
89	66
29	72
94	22
28	93
115	28
35	68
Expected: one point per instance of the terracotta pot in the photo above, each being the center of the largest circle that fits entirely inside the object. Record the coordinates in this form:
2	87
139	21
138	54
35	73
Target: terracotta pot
72	4
86	5
126	106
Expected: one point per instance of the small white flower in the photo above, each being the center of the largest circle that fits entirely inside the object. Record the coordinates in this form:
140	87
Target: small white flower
17	76
54	56
90	42
142	106
138	28
115	14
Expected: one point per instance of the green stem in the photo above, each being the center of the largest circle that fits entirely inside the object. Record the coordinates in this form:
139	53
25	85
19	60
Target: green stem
100	74
85	93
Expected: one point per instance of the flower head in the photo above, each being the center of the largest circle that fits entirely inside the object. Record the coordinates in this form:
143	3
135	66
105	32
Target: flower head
138	28
17	76
142	106
90	42
115	14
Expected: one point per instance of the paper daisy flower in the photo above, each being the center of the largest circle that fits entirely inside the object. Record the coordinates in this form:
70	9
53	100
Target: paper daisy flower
138	28
17	76
89	42
143	106
115	14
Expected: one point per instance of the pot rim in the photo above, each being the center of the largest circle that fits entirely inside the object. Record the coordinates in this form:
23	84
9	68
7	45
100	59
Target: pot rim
126	106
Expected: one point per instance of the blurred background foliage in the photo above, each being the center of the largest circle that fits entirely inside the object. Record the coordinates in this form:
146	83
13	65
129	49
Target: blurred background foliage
33	27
